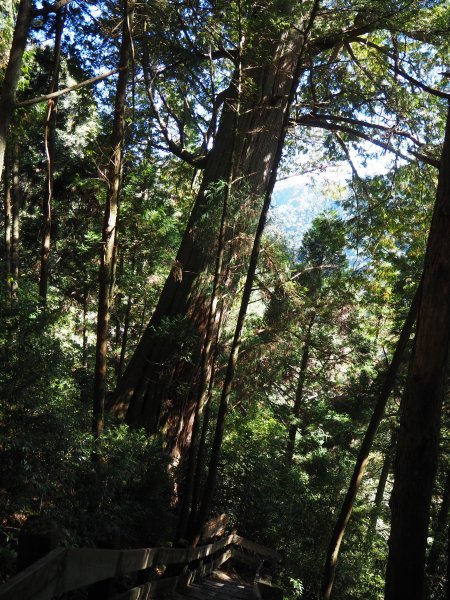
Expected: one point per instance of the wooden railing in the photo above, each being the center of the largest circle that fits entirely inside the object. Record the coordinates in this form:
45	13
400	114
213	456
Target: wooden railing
66	569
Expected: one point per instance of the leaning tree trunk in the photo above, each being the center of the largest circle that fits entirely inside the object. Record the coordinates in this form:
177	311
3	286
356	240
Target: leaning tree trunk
12	74
110	224
379	495
418	438
363	456
148	392
50	141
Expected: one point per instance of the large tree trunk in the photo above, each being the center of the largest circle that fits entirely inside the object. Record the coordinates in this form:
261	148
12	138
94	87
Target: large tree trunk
50	140
148	392
363	456
418	439
12	74
110	223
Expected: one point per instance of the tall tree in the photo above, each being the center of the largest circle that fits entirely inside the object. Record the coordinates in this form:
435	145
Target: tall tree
418	438
109	231
49	143
364	451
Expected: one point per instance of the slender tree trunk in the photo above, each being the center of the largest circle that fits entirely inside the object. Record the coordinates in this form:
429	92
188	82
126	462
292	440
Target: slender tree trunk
418	439
15	229
147	393
299	393
110	223
12	74
439	529
248	286
205	366
363	456
8	222
49	142
201	454
447	587
124	341
382	481
84	333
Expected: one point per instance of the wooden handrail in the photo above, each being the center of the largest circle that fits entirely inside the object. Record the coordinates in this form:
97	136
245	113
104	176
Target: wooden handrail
67	569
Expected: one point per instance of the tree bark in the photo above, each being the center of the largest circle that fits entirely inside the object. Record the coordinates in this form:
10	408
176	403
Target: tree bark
418	440
49	142
110	223
248	286
147	393
384	474
8	222
12	74
363	456
15	229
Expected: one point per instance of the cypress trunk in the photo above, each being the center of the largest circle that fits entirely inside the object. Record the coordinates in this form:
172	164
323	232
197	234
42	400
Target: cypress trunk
110	224
12	74
418	440
15	225
49	141
148	392
8	222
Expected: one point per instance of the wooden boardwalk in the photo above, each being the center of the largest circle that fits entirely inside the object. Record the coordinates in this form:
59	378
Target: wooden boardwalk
68	569
218	587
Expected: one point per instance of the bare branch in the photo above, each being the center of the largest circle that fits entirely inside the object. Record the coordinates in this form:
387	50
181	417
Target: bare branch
312	121
396	69
66	90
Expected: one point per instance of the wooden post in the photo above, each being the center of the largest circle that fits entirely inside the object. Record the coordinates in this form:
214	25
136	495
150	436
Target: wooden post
37	538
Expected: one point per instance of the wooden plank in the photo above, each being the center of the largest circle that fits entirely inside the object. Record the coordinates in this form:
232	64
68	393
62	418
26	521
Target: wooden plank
64	570
267	591
152	589
86	566
245	558
39	581
256	548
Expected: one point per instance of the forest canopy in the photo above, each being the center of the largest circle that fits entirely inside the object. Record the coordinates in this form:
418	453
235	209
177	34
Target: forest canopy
170	351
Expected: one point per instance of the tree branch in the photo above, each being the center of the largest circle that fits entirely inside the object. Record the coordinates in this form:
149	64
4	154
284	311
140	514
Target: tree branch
396	69
71	88
312	121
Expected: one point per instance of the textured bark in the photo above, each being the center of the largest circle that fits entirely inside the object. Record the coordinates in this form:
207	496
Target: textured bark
147	393
15	225
201	453
110	224
364	451
12	74
382	481
49	142
8	222
124	340
418	439
292	433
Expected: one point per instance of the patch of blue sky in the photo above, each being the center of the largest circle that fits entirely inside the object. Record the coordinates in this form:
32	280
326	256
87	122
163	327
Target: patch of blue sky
299	199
